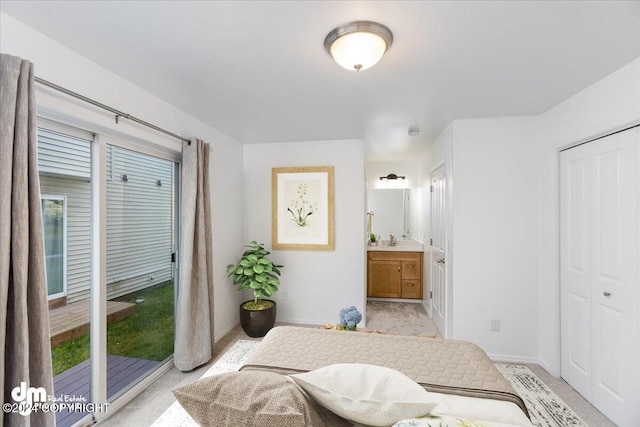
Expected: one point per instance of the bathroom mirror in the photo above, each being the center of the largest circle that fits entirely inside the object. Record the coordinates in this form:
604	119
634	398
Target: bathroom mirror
389	212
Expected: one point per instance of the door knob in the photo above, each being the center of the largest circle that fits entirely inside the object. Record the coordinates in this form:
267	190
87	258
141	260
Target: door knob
607	294
440	261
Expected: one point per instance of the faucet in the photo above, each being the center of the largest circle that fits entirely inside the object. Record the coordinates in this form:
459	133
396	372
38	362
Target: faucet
392	240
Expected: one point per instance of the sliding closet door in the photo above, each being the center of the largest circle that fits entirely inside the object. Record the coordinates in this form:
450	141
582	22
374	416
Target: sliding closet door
599	273
575	269
614	276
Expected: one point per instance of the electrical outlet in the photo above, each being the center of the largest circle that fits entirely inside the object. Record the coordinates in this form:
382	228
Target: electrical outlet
495	325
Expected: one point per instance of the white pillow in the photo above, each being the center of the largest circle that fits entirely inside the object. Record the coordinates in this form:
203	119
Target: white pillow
367	394
448	420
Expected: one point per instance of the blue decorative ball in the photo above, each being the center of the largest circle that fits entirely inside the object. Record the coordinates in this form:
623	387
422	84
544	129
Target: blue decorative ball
350	317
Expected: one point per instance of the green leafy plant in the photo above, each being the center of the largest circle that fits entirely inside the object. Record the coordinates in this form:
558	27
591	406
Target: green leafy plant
372	238
255	271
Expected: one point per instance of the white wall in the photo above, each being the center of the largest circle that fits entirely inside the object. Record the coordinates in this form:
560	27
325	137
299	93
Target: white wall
609	105
315	285
495	223
492	195
503	175
419	203
60	65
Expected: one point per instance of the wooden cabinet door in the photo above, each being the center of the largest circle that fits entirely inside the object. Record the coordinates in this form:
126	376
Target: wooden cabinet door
411	270
411	289
384	278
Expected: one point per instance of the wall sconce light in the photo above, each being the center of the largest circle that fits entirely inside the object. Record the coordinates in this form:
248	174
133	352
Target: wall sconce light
124	178
159	183
391	176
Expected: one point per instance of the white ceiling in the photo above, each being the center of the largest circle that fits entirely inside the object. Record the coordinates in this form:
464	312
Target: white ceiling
258	71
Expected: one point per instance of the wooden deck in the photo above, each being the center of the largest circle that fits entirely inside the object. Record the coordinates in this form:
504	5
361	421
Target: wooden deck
121	372
72	320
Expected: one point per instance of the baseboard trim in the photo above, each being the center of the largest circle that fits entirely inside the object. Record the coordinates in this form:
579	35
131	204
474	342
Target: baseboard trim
514	359
219	336
547	368
306	322
426	308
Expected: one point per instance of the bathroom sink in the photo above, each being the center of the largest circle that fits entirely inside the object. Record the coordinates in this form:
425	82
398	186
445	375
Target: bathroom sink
402	246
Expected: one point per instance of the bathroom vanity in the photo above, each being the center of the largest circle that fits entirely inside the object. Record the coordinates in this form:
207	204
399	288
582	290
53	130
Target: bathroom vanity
394	271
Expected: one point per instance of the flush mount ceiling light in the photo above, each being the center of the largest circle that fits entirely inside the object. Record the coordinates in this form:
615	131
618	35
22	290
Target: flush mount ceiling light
358	45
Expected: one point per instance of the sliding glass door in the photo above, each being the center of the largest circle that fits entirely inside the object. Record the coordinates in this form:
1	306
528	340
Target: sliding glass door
140	274
109	233
64	163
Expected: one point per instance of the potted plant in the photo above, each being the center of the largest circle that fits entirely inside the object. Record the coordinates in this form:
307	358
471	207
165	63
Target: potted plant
255	271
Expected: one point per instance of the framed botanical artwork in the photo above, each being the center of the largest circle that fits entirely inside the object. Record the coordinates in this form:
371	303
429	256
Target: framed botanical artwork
302	208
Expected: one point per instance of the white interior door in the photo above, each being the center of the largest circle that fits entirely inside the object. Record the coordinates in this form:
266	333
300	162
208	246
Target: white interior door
438	246
614	276
600	222
575	298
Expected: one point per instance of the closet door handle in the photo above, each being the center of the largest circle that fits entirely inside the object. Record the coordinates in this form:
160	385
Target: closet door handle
399	268
607	294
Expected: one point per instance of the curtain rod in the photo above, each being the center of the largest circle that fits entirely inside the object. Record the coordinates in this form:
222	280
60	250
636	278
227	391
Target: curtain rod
112	110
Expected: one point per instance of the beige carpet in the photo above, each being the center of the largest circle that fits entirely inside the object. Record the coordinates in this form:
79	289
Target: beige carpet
399	318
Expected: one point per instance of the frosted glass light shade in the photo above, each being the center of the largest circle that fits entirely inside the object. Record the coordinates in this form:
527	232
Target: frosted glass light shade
358	45
358	51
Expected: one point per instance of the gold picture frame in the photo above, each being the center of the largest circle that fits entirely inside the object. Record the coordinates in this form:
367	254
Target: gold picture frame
302	208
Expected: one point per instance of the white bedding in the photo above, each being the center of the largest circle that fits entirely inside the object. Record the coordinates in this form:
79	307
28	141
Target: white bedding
485	412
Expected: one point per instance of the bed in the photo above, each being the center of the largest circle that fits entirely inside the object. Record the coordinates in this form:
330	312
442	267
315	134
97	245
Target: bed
459	376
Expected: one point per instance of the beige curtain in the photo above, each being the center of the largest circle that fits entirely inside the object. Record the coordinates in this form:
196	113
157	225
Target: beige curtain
194	315
25	354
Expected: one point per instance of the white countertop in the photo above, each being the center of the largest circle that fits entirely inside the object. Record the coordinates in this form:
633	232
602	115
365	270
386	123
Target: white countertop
402	246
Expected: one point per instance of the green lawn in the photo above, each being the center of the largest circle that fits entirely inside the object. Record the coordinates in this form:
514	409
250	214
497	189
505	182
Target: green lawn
147	334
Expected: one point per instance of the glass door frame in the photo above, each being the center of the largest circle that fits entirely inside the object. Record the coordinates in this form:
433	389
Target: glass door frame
98	327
